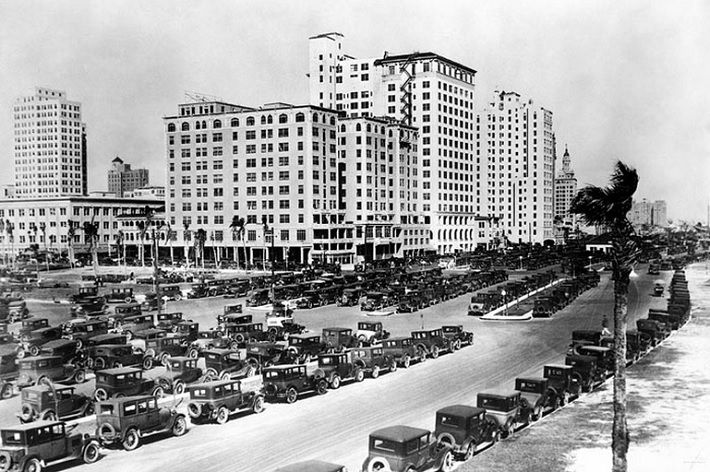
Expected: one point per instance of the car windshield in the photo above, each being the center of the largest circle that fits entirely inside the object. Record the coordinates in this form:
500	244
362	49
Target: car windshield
207	334
449	420
106	409
384	445
272	375
12	438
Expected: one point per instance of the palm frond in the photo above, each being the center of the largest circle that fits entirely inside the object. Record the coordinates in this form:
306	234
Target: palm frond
608	206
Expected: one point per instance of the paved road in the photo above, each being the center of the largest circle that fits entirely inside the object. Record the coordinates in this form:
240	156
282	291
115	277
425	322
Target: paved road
335	427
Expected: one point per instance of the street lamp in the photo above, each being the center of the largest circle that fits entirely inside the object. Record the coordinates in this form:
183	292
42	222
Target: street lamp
267	230
521	262
505	300
590	263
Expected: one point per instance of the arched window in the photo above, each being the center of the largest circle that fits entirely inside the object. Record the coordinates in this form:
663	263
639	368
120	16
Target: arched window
269	119
235	122
283	118
185	126
358	127
217	124
315	117
171	127
368	128
332	120
390	133
263	119
250	121
342	128
204	125
300	117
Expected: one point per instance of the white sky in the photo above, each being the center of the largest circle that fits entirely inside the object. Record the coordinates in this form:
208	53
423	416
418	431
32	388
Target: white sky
625	80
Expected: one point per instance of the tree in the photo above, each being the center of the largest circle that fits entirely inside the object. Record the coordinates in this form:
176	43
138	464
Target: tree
43	229
2	230
91	236
200	238
237	227
170	235
71	232
186	236
607	207
120	246
143	227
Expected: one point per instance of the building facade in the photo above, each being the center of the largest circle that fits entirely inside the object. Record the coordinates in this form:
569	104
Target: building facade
50	148
433	94
515	139
565	191
648	213
122	179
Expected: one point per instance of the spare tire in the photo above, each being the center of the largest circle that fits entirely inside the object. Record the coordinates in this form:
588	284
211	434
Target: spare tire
5	461
194	410
26	412
106	433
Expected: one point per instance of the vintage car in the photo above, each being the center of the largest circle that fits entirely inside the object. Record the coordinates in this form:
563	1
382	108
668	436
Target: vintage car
464	428
671	320
310	299
123	381
186	330
52	402
67	349
156	344
370	332
130	325
586	371
584	338
211	339
312	466
167	321
372	360
230	319
339	339
536	396
562	384
305	346
237	288
290	381
84	292
407	449
506	409
657	330
151	302
457	336
8	370
350	297
33	446
265	353
226	364
127	420
259	297
171	292
431	342
604	355
104	356
46	369
179	372
125	309
88	307
658	290
244	332
83	330
337	367
120	295
403	350
215	401
412	301
375	301
33	341
31	324
545	307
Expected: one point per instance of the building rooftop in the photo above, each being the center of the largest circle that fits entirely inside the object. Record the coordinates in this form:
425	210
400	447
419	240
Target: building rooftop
421	56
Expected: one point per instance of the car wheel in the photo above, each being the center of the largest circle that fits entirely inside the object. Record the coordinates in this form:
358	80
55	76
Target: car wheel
21	354
393	366
258	405
6	391
179	387
234	346
80	376
457	345
100	394
421	353
26	412
536	414
222	415
91	453
406	360
470	451
447	463
49	415
359	375
179	426
564	399
335	382
291	395
128	334
131	440
44	381
239	337
32	465
375	372
321	387
434	352
158	392
227	375
34	350
194	410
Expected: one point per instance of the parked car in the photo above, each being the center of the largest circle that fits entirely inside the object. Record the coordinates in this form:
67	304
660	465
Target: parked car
31	324
130	325
259	297
120	295
215	401
506	409
8	371
32	343
562	384
464	428
156	344
370	332
403	350
350	297
288	382
431	342
83	330
264	353
244	332
124	381
52	402
127	420
32	446
536	396
211	339
152	301
457	336
305	346
171	292
67	349
88	307
44	369
372	360
339	339
604	355
586	371
407	449
167	321
313	466
225	364
337	367
104	356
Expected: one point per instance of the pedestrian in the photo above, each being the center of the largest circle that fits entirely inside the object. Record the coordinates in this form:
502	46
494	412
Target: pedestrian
605	327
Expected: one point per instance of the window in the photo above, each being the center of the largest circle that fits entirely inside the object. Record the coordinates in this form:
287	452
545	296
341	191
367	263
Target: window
185	126
284	175
301	235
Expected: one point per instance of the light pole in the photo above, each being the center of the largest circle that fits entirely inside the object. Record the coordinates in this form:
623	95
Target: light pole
505	300
590	263
521	262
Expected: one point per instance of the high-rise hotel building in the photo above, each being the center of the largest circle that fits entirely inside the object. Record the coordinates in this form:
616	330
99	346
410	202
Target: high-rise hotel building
434	95
50	146
515	139
565	191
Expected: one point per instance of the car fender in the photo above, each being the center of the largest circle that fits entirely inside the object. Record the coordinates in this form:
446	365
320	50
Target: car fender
319	374
446	439
374	460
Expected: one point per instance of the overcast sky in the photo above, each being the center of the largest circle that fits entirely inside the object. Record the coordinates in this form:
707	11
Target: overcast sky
625	80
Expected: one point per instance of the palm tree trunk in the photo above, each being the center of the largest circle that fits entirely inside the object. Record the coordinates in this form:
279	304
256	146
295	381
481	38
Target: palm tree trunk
620	432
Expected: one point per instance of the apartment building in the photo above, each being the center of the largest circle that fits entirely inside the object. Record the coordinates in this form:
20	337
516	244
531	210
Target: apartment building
515	138
433	94
565	191
276	164
122	179
648	213
49	146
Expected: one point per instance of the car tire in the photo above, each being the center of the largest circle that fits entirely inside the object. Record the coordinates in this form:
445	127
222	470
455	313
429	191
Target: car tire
128	334
6	391
321	387
100	394
21	354
335	382
406	361
158	392
258	406
359	375
147	363
447	462
99	363
91	452
393	366
470	451
291	395
49	415
31	464
131	440
34	350
26	412
564	399
457	344
434	352
421	353
80	376
44	380
375	371
239	337
222	415
179	426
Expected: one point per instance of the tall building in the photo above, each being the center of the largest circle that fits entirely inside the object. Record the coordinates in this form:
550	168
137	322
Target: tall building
50	146
122	179
565	191
647	213
431	93
514	139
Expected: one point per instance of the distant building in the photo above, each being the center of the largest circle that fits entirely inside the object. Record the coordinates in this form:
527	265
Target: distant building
7	191
147	192
122	179
50	146
647	213
565	190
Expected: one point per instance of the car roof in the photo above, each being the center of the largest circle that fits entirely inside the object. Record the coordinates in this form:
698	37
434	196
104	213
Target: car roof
311	466
594	348
465	411
38	358
32	425
120	370
532	379
499	393
398	338
283	366
337	329
47	388
220	351
305	335
399	433
116	401
214	383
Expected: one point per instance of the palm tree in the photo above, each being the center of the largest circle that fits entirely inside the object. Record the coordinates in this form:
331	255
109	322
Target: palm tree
200	238
170	235
237	227
91	235
43	228
71	232
186	236
607	207
2	230
143	227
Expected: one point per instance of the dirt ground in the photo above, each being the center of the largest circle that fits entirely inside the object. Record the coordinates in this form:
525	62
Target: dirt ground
668	401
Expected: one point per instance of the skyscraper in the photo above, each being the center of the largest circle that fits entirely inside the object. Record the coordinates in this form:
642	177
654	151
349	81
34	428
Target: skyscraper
50	146
565	190
123	179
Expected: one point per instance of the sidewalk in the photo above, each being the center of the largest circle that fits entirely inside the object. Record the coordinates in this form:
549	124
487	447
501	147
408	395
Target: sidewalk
668	412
